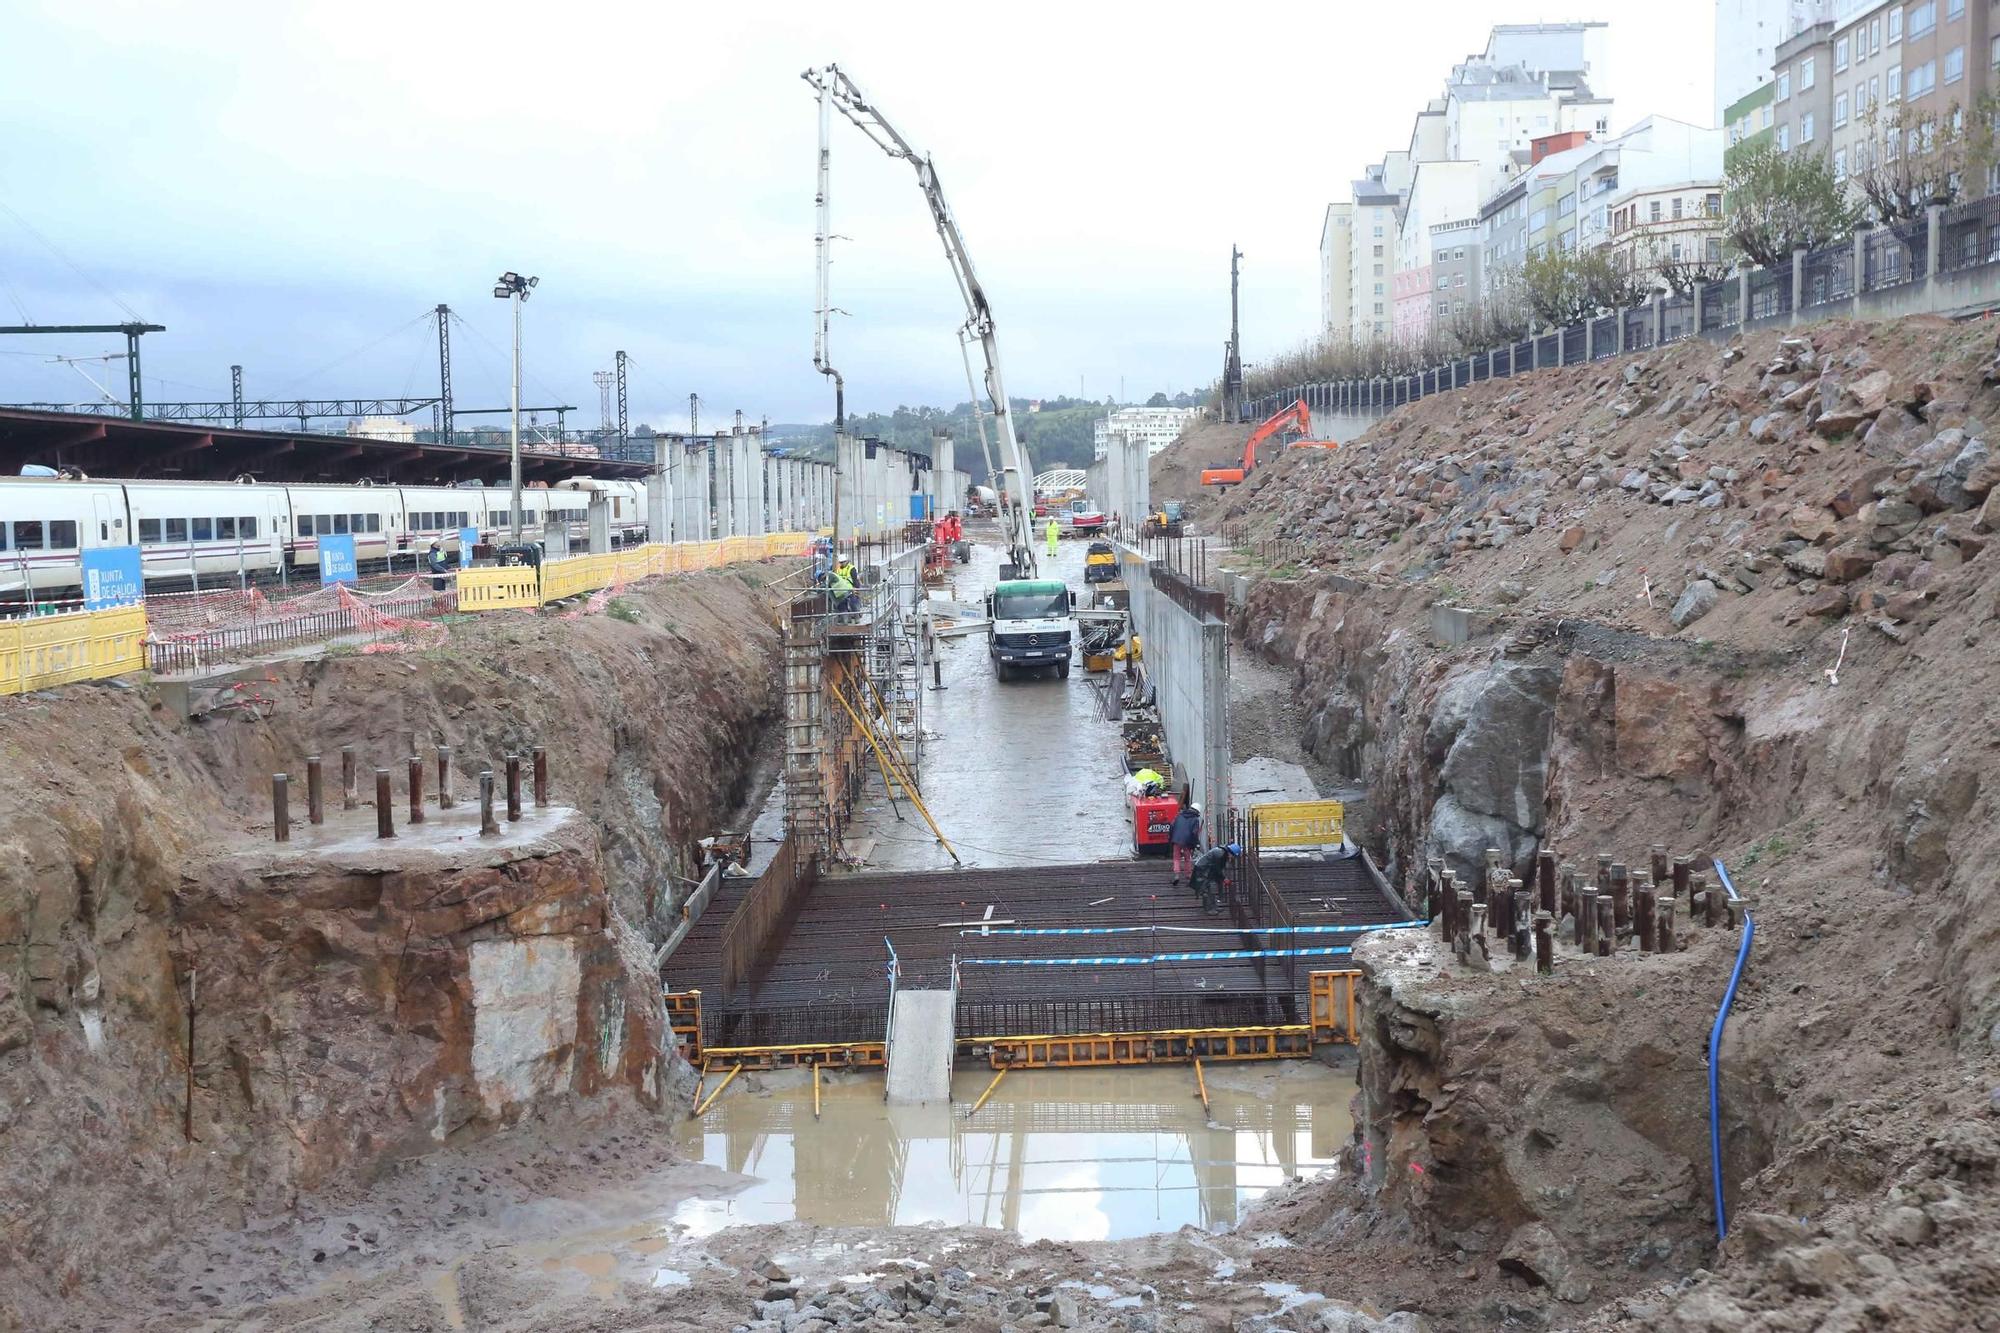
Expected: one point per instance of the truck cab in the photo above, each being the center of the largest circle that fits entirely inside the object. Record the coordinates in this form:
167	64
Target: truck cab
1030	624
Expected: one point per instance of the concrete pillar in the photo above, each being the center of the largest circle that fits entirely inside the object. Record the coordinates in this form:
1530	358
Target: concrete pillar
600	524
695	492
1933	261
1798	281
845	512
1743	295
1659	312
1860	262
659	492
753	482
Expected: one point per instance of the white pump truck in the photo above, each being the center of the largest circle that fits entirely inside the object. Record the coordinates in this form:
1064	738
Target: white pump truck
1031	621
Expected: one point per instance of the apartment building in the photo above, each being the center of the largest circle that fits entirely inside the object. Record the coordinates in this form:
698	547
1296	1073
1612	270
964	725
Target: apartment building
1879	56
1747	122
1747	36
1336	271
1440	193
1155	427
1654	227
1376	204
1457	271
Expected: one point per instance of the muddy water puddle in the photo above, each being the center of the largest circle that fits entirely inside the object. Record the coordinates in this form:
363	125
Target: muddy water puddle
1057	1155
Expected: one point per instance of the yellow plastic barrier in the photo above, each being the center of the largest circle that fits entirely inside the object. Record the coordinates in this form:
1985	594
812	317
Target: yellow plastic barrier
1298	823
516	587
499	588
84	645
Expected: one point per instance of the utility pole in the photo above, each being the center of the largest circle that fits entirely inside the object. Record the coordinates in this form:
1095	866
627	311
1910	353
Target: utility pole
236	396
622	419
511	286
1232	364
444	375
694	415
603	379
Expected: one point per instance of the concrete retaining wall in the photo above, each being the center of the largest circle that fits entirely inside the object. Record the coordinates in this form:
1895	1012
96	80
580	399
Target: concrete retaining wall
1187	663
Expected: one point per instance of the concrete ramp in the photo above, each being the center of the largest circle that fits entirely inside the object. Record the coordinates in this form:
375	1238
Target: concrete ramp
920	1044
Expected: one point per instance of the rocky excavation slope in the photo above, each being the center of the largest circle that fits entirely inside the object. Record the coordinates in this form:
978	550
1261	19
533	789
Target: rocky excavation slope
1731	600
338	995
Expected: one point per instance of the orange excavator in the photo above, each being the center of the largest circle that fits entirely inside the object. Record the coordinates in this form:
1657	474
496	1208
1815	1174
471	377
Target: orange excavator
1296	418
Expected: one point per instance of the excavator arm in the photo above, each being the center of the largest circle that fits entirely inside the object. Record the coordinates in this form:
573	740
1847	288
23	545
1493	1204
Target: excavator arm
1297	417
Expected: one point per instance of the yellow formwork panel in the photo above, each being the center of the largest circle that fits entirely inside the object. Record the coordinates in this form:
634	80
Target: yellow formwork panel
84	645
1331	1005
839	1055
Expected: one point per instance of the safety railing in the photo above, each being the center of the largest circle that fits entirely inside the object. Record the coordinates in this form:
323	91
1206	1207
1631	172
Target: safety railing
1969	236
42	651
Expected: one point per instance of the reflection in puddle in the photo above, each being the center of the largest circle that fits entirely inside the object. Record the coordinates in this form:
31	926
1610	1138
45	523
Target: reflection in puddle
1057	1155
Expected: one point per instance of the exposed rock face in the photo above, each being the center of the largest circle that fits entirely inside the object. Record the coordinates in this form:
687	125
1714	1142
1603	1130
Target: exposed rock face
1495	773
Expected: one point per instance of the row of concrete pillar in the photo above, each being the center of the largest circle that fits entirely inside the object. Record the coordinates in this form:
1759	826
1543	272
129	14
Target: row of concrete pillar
727	485
883	487
1120	481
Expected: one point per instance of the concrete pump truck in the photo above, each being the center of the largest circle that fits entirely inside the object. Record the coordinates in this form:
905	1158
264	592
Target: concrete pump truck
1031	621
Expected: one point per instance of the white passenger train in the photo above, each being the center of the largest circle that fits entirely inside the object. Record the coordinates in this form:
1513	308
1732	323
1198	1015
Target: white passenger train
201	533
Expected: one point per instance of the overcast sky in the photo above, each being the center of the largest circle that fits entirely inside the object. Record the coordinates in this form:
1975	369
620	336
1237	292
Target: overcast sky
294	186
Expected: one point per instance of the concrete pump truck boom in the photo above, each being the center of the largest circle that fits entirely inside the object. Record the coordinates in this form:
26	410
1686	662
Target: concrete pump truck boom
1031	621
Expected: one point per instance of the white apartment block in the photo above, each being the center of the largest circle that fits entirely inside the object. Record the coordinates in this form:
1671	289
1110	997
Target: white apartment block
1156	427
1747	34
1336	272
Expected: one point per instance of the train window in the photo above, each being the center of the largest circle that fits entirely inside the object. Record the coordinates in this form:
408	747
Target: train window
204	529
149	532
305	525
103	531
177	530
28	535
340	523
246	529
62	534
225	529
3	537
374	522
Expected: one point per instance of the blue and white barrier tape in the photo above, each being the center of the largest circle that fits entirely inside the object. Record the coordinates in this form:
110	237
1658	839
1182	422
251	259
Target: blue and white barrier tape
1116	960
1187	930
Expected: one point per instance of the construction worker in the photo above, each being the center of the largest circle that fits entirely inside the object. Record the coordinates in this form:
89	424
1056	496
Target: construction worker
1184	836
1209	868
435	559
842	584
1054	533
1147	782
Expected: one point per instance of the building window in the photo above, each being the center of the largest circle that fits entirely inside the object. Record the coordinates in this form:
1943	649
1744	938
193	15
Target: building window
1840	164
1378	270
1378	310
1566	205
1805	73
1712	247
1784	138
1840	55
1895	25
1806	128
1712	205
1378	249
1922	18
1784	85
1378	289
1954	8
1954	64
1677	208
1378	229
1996	53
1840	110
1922	80
1895	88
1654	210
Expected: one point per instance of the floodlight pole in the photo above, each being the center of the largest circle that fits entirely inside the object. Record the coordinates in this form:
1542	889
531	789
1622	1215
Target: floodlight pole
514	404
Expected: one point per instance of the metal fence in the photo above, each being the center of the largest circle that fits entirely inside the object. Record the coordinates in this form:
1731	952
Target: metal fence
274	625
1889	258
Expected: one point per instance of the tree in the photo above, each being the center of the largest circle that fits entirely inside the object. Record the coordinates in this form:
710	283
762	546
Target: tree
1781	202
1158	400
1557	288
1914	157
1688	270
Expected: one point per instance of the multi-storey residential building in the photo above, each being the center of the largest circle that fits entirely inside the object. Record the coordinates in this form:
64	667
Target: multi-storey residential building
1747	34
1746	122
1503	236
1839	82
1440	192
1336	272
1456	272
1377	203
1155	427
1656	227
1657	152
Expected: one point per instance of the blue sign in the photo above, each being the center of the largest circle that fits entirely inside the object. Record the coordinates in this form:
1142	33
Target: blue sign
467	539
336	559
920	505
112	577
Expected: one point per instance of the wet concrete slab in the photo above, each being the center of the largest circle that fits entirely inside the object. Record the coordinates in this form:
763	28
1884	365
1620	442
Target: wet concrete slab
1025	773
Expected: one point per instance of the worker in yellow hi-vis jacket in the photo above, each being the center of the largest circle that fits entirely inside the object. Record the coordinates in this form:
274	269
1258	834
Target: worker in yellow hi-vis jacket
1054	533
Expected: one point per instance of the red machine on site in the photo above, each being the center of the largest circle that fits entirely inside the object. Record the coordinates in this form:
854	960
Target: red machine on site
1152	821
1294	419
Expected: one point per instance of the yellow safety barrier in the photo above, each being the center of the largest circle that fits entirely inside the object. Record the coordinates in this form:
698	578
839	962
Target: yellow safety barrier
514	587
499	588
1298	823
83	645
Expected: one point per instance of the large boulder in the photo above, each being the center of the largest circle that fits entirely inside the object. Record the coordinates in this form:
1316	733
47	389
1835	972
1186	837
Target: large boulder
1696	601
1498	765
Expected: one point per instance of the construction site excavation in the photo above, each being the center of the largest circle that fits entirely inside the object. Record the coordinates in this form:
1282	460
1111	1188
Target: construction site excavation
1485	821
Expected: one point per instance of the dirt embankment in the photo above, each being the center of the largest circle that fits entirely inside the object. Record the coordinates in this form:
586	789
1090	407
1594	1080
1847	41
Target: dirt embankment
1175	472
1807	693
341	1018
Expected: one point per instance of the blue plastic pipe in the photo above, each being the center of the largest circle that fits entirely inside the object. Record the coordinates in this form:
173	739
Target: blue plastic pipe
1715	1057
